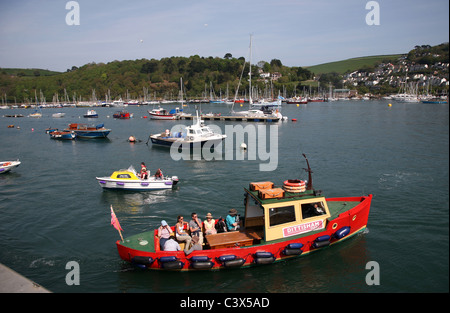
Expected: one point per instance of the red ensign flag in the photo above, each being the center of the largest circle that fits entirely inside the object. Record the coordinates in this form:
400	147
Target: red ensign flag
114	220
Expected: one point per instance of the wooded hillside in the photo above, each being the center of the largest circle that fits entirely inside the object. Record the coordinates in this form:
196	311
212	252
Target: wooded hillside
160	78
205	75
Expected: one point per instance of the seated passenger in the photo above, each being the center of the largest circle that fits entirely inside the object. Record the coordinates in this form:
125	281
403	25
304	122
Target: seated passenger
164	233
171	245
232	220
181	234
195	226
221	227
159	174
196	245
210	225
144	173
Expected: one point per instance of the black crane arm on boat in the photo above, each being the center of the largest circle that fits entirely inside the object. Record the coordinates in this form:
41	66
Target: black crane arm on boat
310	184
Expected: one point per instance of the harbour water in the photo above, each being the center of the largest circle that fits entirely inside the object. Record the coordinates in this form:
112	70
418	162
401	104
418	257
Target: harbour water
52	210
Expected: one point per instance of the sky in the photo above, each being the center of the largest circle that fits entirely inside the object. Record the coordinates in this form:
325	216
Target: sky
35	34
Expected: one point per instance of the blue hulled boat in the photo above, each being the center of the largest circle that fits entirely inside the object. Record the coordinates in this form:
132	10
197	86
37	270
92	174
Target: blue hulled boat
88	132
62	135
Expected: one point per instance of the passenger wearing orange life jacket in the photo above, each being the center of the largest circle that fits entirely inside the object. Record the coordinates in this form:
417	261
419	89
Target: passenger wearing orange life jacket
144	173
159	174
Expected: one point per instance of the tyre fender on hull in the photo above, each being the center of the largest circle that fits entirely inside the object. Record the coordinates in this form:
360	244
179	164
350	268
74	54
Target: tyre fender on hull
170	262
201	262
342	232
199	258
238	262
321	241
202	265
230	261
263	257
293	249
224	258
172	265
142	260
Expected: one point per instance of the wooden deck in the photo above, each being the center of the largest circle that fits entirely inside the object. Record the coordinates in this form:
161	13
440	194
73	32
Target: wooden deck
232	239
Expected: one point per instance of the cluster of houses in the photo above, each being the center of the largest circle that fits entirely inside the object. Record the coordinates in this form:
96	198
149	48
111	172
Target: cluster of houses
394	75
269	76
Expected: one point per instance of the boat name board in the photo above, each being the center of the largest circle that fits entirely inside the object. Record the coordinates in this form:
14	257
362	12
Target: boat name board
302	228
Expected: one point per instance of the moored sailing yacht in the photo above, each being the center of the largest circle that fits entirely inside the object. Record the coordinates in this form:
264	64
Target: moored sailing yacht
162	114
266	109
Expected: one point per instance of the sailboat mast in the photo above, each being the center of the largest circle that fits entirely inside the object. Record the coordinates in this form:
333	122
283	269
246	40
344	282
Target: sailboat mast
250	73
181	90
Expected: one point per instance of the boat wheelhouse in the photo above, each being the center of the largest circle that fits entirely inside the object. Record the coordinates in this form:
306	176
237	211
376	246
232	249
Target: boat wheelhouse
278	224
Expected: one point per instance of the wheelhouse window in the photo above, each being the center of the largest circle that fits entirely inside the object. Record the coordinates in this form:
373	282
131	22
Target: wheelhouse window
312	209
281	215
123	176
206	130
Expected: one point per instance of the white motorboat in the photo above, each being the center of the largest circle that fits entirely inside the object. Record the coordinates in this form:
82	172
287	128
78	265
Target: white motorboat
35	114
128	179
118	103
91	114
6	166
265	111
264	103
162	114
196	134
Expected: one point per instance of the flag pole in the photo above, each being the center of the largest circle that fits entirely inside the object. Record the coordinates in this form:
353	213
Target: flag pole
120	233
115	222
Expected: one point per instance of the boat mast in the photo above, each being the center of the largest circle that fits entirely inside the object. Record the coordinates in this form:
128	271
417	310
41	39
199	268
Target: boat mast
181	90
250	73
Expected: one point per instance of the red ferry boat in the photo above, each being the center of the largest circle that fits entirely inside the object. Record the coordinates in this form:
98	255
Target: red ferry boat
279	224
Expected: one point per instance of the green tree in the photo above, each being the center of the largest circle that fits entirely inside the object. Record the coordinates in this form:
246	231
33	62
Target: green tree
304	74
275	63
150	66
